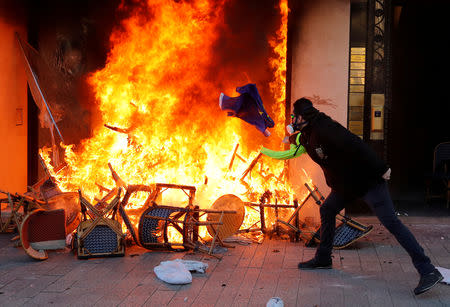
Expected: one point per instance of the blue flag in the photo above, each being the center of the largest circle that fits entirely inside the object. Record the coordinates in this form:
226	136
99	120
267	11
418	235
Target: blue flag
248	107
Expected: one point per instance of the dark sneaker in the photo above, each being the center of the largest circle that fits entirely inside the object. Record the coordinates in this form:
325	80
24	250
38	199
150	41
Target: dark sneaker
428	281
315	264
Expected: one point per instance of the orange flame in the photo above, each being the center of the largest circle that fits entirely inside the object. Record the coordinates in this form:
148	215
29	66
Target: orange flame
155	90
278	63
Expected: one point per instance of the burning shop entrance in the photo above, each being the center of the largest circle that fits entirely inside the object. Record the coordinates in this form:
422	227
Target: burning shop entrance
156	125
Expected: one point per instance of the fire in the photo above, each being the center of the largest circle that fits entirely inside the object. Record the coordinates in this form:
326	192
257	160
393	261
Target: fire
278	63
158	96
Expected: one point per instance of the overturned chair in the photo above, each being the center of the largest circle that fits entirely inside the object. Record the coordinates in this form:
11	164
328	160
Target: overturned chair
43	230
100	234
348	232
157	221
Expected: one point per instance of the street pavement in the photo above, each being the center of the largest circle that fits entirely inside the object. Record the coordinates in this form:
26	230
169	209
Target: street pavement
375	271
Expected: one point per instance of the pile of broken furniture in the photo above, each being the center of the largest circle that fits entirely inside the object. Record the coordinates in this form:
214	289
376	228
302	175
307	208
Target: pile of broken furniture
50	218
47	218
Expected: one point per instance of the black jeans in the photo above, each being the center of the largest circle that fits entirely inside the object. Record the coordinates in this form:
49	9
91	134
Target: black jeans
379	200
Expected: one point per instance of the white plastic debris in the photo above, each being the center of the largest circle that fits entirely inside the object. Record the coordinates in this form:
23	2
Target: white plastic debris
178	271
173	272
194	266
275	302
446	273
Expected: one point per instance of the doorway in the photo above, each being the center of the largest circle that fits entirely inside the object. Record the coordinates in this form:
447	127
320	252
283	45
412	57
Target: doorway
420	112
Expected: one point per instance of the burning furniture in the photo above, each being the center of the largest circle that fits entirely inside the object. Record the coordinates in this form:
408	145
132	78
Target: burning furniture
260	208
100	235
348	232
43	230
19	206
231	222
267	175
155	222
40	228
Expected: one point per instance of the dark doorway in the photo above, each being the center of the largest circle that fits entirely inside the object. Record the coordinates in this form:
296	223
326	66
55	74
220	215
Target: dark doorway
418	111
420	102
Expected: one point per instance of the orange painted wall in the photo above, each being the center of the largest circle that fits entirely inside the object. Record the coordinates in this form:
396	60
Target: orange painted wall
320	57
13	110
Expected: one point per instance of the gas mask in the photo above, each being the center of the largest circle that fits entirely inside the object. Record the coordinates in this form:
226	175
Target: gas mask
295	127
290	129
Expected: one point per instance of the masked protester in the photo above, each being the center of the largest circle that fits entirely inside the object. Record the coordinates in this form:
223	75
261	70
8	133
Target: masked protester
352	170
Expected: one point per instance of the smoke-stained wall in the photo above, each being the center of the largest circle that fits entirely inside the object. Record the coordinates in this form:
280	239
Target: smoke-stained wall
320	51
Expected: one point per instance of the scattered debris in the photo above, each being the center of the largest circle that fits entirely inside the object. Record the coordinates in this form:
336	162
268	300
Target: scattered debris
194	266
173	272
238	239
446	273
178	271
399	213
275	302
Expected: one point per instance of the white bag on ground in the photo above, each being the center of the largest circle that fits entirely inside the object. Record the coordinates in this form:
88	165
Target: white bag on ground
194	266
446	273
173	272
275	302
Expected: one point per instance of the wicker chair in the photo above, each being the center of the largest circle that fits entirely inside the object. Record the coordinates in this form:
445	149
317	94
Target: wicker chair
99	235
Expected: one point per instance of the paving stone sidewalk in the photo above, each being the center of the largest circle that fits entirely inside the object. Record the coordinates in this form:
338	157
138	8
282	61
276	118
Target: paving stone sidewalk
375	271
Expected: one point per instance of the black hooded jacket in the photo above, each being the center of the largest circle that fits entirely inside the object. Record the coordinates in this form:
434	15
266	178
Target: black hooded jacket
350	166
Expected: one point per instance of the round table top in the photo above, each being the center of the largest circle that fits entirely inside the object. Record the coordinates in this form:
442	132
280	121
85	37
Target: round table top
231	221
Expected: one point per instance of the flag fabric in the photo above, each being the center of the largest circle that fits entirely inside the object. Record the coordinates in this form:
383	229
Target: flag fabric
248	107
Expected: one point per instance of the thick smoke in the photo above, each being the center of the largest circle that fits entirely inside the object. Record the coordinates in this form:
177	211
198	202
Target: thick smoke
13	12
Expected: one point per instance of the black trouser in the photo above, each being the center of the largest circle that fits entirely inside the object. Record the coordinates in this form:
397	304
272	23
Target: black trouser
379	200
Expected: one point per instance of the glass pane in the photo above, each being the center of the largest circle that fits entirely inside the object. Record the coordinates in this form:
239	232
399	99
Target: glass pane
357	65
356	113
357	73
356	99
356	127
358	58
356	80
358	50
357	88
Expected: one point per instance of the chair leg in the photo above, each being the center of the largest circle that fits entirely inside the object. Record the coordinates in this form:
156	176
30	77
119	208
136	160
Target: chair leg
215	235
